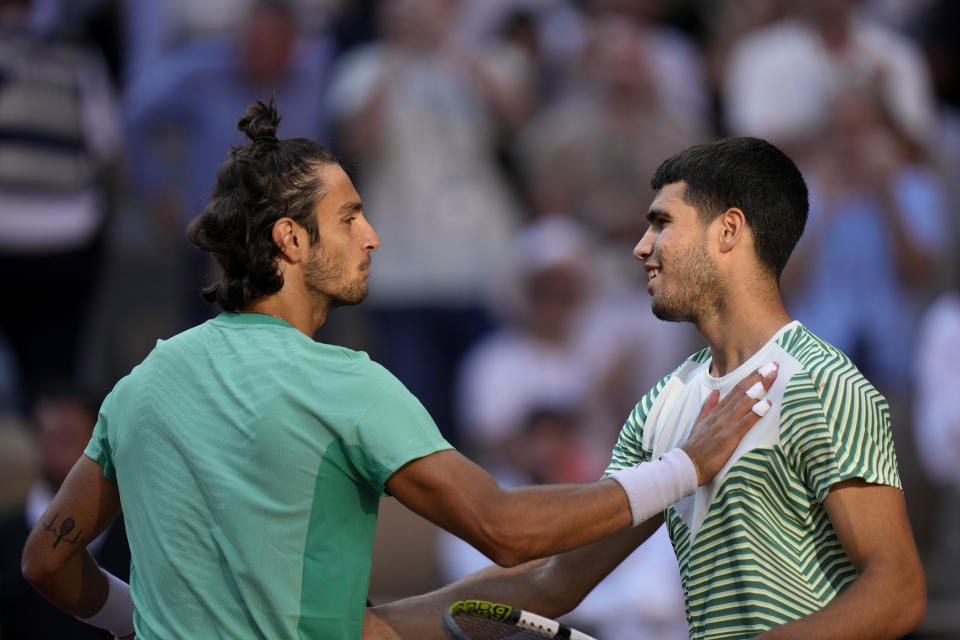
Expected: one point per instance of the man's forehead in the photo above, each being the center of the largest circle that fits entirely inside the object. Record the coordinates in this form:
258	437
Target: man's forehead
668	194
339	192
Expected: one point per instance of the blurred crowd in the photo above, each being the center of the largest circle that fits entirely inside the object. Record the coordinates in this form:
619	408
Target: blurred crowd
503	150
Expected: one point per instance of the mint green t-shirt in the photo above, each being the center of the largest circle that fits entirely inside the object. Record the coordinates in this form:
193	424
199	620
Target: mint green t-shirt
250	460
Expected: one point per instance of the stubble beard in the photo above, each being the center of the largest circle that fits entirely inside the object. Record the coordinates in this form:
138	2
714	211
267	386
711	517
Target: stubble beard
324	280
697	290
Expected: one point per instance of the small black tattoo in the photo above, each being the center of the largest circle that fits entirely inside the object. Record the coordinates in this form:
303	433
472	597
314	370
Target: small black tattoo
65	527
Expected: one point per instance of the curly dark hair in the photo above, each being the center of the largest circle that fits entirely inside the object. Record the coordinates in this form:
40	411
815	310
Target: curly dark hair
259	183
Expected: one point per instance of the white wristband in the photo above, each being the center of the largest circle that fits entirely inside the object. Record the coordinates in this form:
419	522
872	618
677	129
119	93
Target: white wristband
116	614
653	486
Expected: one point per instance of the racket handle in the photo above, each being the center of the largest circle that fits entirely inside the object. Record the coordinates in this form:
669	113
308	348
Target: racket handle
533	622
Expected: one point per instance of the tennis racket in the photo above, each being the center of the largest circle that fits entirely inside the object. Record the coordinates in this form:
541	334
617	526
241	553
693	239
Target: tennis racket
482	620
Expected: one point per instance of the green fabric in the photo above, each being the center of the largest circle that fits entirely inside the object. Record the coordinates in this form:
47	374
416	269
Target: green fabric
250	461
766	553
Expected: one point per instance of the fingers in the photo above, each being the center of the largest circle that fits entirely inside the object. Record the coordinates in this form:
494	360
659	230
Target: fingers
761	407
710	403
762	378
767	373
749	392
714	437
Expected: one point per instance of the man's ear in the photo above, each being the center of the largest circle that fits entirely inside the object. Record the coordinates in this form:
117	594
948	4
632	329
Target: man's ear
732	227
287	235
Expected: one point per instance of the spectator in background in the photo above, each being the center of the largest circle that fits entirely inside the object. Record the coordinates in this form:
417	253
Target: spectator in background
590	155
59	141
936	424
563	345
724	25
876	236
938	33
674	64
18	463
421	117
538	359
554	35
64	419
179	117
782	79
154	30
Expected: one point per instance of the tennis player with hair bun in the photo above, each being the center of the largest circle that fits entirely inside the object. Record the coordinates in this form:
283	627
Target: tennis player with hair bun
249	459
804	532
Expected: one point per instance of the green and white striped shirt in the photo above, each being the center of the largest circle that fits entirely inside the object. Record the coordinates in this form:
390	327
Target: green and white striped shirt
755	546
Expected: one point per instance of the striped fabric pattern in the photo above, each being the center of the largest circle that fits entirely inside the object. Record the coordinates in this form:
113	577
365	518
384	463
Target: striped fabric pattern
766	552
43	144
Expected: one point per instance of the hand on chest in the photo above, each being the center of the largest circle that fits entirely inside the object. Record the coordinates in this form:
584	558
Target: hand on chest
675	411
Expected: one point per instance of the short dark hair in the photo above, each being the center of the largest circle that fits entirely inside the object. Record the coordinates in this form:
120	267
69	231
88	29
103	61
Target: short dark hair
750	174
260	183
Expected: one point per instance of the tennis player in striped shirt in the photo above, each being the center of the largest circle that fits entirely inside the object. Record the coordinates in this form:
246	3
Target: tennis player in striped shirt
804	532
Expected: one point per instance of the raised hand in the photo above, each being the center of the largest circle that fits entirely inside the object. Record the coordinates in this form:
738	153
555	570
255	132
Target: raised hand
721	425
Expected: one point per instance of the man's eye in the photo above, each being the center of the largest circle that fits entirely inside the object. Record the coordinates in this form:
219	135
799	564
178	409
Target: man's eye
350	219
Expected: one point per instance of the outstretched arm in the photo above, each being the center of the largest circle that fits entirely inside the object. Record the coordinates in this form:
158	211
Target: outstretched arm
888	597
517	525
551	587
555	585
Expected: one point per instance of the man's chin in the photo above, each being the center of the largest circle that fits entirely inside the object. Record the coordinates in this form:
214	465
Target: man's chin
351	297
668	314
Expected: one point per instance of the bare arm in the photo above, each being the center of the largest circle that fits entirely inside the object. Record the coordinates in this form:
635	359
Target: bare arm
517	525
55	558
509	526
551	587
888	598
555	585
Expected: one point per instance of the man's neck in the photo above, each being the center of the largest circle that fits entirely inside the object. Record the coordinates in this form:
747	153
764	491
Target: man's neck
740	329
302	317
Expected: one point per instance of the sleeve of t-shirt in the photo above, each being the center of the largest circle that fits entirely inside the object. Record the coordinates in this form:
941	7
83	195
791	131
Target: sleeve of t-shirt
628	451
842	430
393	430
98	449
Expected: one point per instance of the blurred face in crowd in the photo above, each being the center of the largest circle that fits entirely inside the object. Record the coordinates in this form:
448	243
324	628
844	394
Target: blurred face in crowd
864	146
684	281
418	24
552	453
614	60
823	9
644	10
554	295
268	40
339	263
64	427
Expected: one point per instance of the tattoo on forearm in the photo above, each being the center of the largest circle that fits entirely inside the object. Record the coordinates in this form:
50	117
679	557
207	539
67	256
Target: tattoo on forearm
66	527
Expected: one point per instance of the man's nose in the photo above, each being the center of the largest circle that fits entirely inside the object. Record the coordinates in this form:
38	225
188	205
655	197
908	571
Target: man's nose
644	247
373	240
